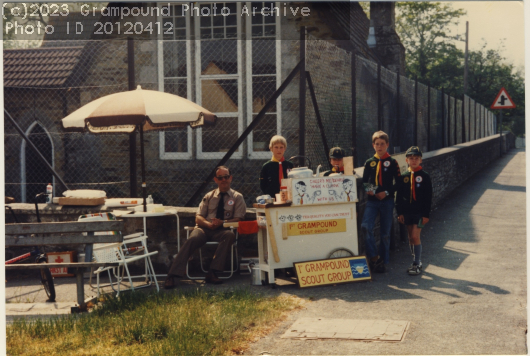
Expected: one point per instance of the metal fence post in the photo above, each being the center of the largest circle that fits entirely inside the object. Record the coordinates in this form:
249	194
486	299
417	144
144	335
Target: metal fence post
302	93
454	114
132	135
443	121
317	114
463	118
428	118
354	107
416	111
398	108
379	110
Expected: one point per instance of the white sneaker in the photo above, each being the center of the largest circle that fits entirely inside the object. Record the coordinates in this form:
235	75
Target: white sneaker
414	269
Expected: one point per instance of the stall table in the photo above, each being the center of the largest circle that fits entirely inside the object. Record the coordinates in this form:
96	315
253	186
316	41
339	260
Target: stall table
297	233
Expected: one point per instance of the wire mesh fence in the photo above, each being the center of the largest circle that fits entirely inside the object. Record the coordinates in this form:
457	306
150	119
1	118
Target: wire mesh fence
234	79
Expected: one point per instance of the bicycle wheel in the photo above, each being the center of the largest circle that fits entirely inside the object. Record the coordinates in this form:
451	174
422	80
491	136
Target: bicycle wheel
47	281
341	252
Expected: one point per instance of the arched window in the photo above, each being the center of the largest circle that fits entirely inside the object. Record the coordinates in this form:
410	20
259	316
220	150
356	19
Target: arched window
34	173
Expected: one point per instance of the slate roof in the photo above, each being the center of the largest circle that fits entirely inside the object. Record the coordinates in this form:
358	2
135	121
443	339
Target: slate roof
40	67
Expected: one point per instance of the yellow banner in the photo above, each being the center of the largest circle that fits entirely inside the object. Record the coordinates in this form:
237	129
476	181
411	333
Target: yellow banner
333	271
316	227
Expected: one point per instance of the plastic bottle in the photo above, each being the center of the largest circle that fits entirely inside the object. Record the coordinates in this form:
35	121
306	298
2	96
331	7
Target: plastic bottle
149	200
49	193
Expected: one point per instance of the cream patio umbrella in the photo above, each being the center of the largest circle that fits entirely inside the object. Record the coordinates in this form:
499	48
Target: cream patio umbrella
146	110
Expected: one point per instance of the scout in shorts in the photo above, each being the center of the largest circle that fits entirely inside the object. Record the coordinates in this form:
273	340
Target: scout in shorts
413	204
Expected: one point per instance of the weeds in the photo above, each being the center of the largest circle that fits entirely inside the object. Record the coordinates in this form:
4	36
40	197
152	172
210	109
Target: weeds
191	323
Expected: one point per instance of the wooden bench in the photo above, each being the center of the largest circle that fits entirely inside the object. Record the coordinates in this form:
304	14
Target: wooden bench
64	233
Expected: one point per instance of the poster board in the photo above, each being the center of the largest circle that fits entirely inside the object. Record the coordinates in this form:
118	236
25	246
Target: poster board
332	271
321	190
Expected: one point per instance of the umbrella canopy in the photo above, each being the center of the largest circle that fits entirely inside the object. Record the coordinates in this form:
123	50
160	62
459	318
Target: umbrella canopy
146	109
151	109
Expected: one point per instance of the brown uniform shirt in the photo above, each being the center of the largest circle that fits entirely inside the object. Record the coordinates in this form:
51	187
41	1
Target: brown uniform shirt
234	205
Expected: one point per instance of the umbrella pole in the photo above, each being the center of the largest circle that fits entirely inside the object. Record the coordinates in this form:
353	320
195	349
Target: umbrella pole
144	187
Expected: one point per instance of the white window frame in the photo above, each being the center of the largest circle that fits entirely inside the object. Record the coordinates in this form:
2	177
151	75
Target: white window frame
198	80
163	155
250	114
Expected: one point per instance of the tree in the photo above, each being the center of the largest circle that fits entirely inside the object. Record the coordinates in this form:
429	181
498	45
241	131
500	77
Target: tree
488	73
424	31
432	56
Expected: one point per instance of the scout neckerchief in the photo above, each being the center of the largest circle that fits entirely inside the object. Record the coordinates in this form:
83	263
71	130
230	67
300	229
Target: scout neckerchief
378	171
340	170
280	166
412	185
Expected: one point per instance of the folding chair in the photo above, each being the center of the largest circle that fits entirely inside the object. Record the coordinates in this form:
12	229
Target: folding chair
234	248
132	249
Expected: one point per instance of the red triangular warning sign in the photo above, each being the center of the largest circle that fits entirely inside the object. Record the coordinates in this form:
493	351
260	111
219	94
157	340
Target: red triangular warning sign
503	101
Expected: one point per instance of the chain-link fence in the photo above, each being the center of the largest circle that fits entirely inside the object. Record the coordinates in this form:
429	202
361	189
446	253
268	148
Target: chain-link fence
234	79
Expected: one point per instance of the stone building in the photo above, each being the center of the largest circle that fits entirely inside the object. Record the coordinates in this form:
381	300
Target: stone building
230	63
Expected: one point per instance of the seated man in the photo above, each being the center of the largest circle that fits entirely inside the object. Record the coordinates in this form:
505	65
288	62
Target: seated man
219	206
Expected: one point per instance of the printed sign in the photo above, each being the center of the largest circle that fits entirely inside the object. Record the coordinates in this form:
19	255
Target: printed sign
332	271
61	257
324	190
283	218
503	101
316	227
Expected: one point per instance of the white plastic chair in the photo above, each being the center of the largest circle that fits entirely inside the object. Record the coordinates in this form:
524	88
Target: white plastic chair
132	249
234	248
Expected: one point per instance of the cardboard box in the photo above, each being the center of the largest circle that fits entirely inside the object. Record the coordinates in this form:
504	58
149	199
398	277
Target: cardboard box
81	201
61	257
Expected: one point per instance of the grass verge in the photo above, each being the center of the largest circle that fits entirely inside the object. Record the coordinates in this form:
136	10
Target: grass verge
189	323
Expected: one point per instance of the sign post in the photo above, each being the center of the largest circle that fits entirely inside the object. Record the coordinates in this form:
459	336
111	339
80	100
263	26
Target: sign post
502	101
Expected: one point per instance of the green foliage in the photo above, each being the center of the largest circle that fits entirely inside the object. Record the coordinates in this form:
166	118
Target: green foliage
432	56
424	31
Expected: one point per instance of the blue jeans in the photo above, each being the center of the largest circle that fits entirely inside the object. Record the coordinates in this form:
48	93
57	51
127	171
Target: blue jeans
385	208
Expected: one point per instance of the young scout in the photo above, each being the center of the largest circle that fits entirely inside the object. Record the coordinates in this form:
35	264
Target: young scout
276	169
413	204
336	158
380	171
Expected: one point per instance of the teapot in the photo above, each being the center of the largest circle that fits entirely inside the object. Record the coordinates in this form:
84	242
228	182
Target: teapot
300	172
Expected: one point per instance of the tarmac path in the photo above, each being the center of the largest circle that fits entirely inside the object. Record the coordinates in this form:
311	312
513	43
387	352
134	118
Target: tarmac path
471	297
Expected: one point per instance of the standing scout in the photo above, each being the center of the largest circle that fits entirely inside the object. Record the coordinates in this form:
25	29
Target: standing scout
336	158
380	171
413	204
276	169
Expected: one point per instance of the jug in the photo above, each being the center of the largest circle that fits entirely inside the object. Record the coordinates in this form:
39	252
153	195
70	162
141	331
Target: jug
255	275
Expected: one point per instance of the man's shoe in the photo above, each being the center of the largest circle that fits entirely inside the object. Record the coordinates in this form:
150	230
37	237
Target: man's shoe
212	278
379	266
415	269
170	283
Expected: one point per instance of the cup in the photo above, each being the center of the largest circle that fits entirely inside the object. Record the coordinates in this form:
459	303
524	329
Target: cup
279	198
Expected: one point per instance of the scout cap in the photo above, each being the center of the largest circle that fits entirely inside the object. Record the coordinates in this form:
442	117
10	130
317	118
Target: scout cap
337	152
413	151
